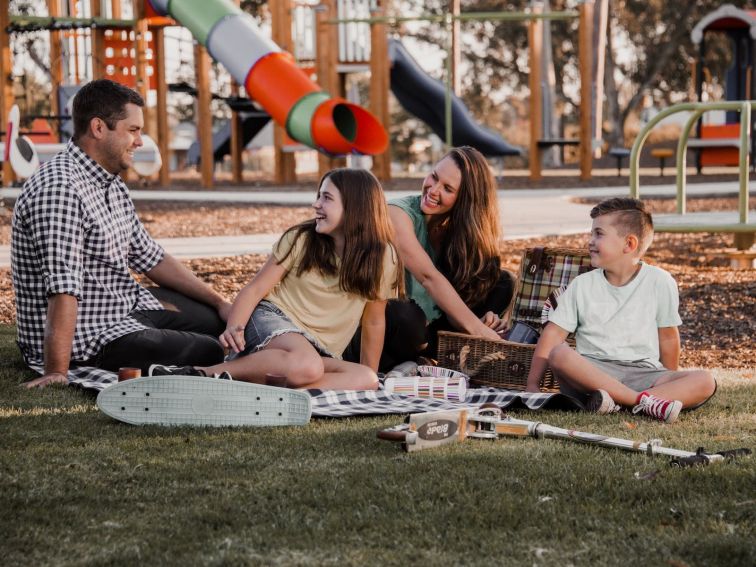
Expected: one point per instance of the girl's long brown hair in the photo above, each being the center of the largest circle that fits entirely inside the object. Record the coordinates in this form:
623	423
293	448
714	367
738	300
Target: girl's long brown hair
469	255
367	231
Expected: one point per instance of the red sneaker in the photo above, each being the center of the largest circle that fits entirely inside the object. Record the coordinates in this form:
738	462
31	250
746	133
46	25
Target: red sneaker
658	408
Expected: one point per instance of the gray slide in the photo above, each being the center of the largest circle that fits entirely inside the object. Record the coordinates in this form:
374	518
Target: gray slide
424	97
252	123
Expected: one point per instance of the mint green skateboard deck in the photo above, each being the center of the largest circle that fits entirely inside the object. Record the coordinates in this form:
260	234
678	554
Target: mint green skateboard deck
196	400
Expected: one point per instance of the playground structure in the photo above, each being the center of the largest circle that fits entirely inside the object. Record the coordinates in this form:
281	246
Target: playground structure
742	229
719	144
309	115
329	40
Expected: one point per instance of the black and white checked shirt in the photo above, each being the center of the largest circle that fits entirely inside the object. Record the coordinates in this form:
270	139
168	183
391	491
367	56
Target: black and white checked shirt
75	232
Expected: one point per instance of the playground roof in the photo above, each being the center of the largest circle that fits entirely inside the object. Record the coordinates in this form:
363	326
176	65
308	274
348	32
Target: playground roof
726	17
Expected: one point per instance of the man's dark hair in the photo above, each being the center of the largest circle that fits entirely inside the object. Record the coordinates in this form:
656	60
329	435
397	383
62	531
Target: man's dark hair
102	99
633	218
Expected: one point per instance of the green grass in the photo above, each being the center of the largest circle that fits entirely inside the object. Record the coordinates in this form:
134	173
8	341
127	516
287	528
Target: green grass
79	488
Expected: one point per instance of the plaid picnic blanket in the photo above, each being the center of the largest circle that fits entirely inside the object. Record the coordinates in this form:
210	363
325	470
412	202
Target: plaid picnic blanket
344	403
337	403
542	271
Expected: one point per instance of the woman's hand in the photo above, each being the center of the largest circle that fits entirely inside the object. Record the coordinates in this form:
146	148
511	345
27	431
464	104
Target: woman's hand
493	321
233	338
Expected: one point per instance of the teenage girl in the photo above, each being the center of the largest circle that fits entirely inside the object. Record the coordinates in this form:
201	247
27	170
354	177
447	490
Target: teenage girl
325	277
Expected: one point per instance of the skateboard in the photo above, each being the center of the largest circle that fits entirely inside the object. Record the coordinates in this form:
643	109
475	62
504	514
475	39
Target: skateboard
201	401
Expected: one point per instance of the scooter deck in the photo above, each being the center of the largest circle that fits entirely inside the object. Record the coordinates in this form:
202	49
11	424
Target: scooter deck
196	400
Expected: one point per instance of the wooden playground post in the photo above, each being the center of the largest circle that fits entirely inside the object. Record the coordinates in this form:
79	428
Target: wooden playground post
97	44
56	64
380	80
285	162
142	80
163	135
326	68
456	79
601	22
585	56
236	136
535	41
6	81
204	119
237	145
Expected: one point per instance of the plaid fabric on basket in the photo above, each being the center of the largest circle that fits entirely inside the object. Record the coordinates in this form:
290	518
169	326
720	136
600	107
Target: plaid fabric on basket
544	270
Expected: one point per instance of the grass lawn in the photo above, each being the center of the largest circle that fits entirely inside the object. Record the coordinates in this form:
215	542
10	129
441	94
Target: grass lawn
80	488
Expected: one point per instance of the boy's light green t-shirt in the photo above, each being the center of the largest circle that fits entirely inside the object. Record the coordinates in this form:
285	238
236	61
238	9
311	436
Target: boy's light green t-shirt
619	323
413	289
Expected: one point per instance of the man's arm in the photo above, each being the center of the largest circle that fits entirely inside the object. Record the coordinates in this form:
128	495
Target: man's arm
60	326
172	274
373	333
552	336
669	347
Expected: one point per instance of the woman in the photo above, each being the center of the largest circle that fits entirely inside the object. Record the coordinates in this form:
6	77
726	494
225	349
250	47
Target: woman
448	241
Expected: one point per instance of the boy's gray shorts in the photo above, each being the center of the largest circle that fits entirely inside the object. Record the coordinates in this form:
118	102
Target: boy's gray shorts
638	376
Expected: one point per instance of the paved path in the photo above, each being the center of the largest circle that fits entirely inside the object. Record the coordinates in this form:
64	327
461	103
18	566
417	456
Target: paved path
525	213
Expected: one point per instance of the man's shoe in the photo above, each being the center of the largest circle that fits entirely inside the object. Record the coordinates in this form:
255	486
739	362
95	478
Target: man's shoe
658	408
197	400
164	370
600	402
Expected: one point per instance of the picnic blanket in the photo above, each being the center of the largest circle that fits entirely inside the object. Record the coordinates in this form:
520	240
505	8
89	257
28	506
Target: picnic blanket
344	403
339	403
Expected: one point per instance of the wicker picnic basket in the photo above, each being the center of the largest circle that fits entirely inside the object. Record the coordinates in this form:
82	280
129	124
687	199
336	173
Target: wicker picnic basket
498	364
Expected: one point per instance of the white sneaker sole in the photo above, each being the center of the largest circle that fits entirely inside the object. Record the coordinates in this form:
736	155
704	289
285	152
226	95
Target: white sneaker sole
196	400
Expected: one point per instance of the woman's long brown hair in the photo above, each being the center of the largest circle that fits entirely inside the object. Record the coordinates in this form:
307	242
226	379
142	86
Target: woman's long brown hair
469	256
367	231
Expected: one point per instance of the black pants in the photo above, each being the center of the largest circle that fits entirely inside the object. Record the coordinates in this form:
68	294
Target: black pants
409	335
184	334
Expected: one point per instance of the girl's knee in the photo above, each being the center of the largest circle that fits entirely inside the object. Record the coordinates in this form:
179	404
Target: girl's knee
365	379
303	370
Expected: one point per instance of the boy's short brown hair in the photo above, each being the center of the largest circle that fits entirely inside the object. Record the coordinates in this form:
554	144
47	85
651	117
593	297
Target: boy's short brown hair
632	218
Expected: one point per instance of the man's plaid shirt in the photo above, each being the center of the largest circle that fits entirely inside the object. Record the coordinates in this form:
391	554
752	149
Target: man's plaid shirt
75	232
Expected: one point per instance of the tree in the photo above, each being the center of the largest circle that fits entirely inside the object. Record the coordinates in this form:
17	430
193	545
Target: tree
657	34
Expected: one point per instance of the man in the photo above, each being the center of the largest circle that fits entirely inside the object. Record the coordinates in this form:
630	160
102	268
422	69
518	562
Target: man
75	240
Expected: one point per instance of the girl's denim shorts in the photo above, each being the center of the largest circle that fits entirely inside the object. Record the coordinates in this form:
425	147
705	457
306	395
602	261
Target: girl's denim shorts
268	322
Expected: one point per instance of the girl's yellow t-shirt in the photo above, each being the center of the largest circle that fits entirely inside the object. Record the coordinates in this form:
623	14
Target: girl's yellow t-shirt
316	303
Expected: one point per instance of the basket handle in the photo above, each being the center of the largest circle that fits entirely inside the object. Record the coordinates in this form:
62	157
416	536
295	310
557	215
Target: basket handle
485	359
535	260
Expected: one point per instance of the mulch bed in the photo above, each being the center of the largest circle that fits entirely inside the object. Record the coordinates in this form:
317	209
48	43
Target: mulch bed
716	302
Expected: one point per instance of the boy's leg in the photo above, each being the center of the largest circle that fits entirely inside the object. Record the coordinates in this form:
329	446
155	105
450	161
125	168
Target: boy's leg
692	387
585	377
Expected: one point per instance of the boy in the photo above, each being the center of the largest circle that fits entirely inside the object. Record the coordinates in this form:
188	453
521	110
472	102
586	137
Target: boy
624	315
